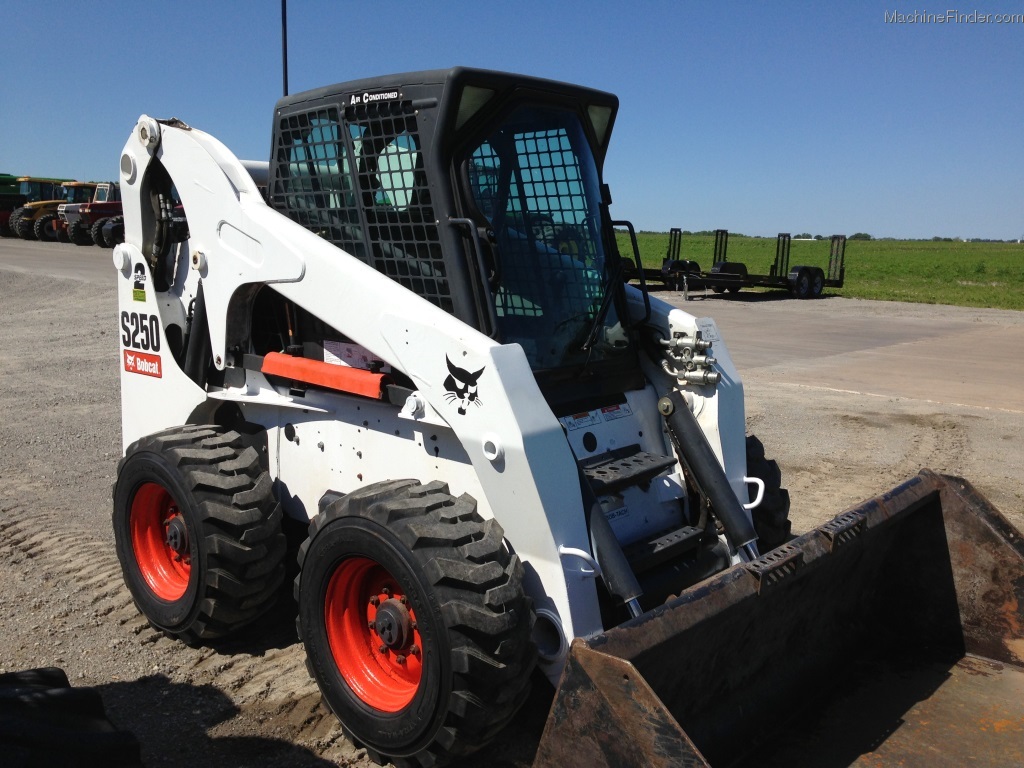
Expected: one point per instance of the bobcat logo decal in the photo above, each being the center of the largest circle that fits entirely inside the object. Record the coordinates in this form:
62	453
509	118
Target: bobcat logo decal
461	387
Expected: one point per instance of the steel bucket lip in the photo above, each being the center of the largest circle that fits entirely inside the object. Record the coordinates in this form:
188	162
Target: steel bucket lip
943	578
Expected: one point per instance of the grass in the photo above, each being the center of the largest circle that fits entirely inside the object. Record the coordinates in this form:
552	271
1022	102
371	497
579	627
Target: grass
925	272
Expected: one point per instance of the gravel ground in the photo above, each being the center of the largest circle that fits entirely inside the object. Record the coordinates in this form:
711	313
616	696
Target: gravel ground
251	702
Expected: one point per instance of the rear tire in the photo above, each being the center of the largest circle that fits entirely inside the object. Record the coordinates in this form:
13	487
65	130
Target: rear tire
198	532
398	565
44	228
771	516
12	223
801	288
113	231
24	228
96	232
817	284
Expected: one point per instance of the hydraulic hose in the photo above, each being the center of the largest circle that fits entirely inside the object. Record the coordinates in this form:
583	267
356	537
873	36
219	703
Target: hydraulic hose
703	466
197	346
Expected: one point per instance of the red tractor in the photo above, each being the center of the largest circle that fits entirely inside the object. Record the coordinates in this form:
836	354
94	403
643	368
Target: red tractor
85	221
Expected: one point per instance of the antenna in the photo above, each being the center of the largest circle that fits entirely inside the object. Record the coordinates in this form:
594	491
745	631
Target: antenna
284	43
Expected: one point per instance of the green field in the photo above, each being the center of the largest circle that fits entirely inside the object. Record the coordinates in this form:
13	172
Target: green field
963	274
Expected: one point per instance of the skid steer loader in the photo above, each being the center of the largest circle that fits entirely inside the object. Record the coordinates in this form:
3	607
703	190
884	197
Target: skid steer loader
409	330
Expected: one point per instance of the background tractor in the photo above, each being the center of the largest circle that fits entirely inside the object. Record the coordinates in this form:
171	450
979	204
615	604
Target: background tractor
28	189
84	222
38	220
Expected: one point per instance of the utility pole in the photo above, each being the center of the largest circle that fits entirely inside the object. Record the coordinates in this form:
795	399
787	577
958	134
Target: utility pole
284	43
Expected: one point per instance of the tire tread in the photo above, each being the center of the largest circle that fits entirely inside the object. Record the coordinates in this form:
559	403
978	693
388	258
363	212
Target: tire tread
478	586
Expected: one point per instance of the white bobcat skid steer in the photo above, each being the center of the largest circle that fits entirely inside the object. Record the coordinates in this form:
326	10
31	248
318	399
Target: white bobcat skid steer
410	329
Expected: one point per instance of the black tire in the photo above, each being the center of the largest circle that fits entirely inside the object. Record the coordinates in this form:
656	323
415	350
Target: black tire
801	287
44	721
96	232
466	610
771	516
12	223
62	233
718	289
78	233
24	227
734	288
113	232
817	284
198	531
44	228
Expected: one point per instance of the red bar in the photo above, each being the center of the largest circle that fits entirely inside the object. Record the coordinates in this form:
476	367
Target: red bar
339	377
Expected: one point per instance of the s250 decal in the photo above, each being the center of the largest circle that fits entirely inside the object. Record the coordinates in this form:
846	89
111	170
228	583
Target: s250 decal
140	331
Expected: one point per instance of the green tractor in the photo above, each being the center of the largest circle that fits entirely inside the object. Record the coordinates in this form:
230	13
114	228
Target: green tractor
10	200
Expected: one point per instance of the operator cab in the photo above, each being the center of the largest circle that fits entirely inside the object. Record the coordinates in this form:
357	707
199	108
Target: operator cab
481	192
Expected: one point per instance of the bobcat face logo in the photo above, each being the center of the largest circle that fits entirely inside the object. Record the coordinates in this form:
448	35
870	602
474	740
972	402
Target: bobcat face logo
461	386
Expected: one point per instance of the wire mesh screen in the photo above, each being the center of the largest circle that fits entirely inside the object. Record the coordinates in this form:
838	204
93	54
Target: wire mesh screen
528	179
401	226
313	182
360	185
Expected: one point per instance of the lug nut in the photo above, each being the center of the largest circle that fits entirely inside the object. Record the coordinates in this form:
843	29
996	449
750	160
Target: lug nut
400	659
414	650
383	649
403	600
386	591
374	600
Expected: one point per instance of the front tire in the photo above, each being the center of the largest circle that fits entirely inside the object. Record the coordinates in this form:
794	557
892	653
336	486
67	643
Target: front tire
78	233
415	623
771	516
198	532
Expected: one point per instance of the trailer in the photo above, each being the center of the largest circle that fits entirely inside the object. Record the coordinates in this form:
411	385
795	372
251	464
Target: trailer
802	281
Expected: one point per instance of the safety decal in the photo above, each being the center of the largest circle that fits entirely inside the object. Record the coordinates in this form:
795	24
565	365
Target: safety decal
461	387
579	420
140	362
612	412
139	286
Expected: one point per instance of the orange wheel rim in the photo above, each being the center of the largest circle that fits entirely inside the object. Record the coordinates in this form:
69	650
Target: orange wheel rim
373	634
160	541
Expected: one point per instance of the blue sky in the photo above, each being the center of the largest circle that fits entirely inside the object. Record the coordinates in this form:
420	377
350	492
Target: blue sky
758	117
